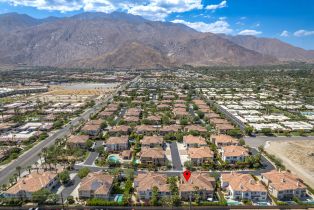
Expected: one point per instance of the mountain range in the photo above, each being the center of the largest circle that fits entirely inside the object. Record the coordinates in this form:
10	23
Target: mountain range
126	41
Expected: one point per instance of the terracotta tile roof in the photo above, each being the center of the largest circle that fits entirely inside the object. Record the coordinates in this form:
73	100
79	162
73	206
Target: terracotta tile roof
94	122
131	118
33	182
243	182
203	181
224	139
78	139
180	106
194	140
283	180
211	115
145	128
153	153
98	182
118	140
126	153
153	118
201	152
133	112
216	121
105	114
235	151
152	140
226	126
120	128
146	181
171	128
195	128
199	102
160	106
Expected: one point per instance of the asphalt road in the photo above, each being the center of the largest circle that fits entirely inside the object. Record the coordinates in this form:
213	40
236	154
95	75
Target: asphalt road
66	192
176	162
164	207
93	155
255	142
31	156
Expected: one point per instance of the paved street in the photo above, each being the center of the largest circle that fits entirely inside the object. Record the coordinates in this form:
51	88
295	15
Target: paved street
255	142
93	155
31	156
66	192
176	162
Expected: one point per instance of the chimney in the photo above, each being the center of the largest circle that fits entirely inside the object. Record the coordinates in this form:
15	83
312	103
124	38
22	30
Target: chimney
282	180
252	181
298	183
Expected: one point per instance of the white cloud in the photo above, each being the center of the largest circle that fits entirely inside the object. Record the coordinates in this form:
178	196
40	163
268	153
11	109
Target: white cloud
284	33
220	26
249	32
160	9
216	6
58	5
303	33
150	9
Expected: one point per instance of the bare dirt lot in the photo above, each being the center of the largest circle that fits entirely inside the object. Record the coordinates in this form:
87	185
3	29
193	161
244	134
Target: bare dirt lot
297	156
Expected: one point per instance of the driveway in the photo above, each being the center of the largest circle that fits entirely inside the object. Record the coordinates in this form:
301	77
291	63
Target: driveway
93	155
176	162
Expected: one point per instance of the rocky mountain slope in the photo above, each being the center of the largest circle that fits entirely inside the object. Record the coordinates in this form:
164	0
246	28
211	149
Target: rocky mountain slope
273	47
117	40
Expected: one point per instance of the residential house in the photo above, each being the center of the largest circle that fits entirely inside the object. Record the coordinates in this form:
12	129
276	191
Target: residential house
146	130
155	156
120	130
117	143
194	141
169	129
223	140
180	112
283	185
152	141
201	183
200	155
233	154
243	186
224	128
197	128
154	120
26	186
96	185
92	128
144	183
77	141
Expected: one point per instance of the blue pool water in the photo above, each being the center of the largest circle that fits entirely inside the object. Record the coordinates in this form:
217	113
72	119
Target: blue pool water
119	198
113	158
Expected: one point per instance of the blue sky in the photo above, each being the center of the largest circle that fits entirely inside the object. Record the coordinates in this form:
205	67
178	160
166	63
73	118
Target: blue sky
289	20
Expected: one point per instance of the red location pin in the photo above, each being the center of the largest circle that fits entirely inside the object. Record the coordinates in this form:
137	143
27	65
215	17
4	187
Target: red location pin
187	175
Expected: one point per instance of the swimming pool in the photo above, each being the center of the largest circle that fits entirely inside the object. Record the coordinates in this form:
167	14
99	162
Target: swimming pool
113	158
118	198
233	202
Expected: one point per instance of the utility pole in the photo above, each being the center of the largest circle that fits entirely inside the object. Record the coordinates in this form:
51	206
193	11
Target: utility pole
62	201
190	203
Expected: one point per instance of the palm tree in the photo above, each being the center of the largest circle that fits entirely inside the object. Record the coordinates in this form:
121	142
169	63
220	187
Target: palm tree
29	168
18	168
11	180
40	156
15	177
4	187
36	164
